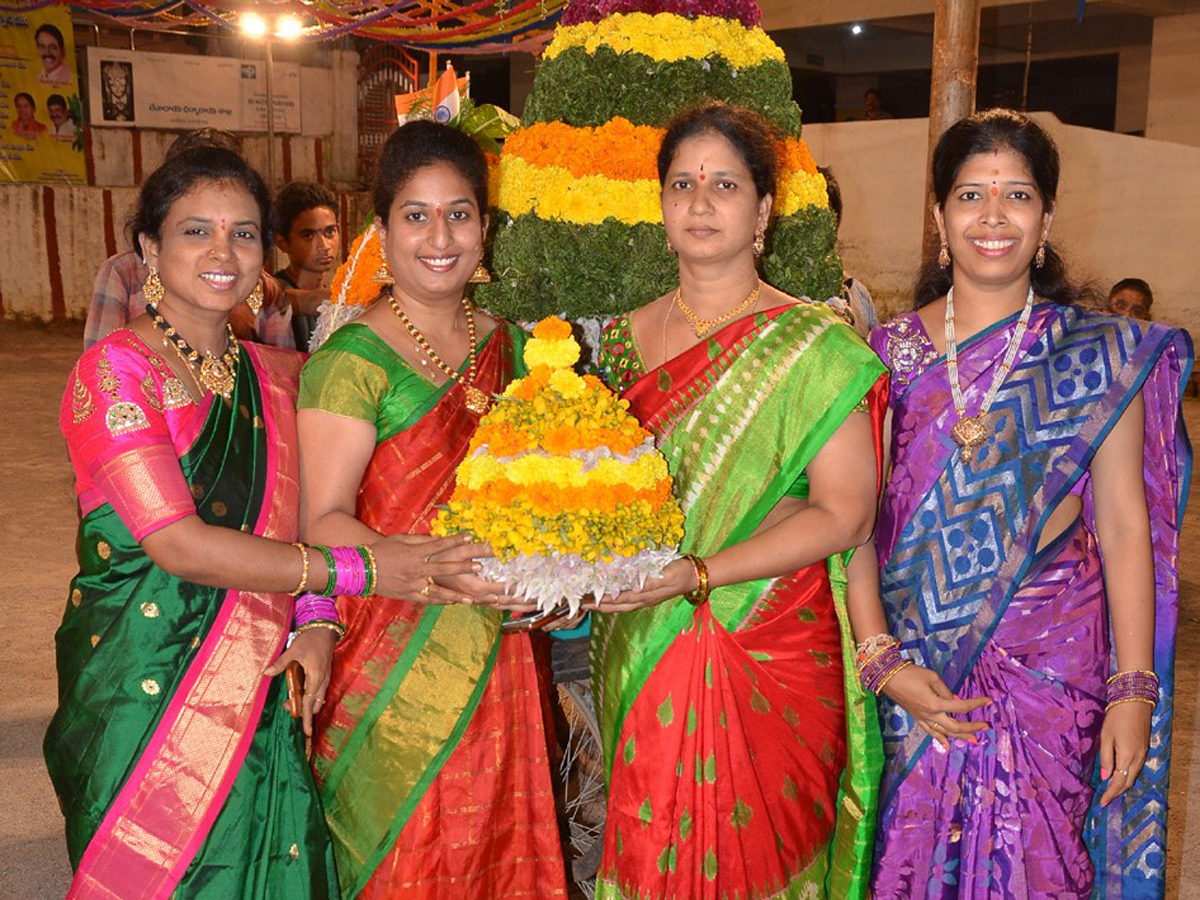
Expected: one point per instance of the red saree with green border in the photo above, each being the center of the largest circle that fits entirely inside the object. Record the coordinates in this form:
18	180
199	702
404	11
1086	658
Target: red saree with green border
430	751
743	755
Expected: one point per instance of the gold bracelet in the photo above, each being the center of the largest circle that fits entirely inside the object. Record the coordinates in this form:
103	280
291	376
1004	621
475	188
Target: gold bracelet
337	627
700	595
303	585
1150	703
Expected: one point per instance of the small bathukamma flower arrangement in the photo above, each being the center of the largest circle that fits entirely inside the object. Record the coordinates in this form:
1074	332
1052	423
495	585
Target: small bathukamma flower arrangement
564	484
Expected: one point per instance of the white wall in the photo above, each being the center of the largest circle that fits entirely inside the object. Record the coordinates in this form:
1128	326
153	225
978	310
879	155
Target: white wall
1126	208
1173	111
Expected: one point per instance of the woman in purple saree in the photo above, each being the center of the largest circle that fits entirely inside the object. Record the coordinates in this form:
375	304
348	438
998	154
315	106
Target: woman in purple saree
1028	550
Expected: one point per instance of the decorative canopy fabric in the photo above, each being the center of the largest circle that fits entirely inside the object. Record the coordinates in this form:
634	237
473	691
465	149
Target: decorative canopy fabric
461	26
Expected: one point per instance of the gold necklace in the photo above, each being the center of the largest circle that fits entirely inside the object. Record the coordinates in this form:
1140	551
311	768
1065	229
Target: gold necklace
211	372
969	431
701	327
477	401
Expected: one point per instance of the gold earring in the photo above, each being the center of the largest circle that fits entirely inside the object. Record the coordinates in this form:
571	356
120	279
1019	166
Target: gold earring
759	244
1039	258
152	288
384	275
944	256
481	275
255	300
670	248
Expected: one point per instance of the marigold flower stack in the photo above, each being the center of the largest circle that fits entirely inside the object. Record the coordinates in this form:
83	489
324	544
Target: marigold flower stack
564	484
579	227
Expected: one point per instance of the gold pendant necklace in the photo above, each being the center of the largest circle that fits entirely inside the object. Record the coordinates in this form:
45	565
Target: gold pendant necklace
969	432
701	327
477	401
213	373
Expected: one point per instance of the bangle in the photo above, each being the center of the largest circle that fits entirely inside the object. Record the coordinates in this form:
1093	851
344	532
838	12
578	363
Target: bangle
351	572
314	606
1139	685
876	671
1112	703
869	647
303	571
372	570
888	677
1148	673
337	627
331	567
700	595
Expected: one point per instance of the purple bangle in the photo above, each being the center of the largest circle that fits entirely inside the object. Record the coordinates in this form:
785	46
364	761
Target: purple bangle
1136	684
351	572
310	607
875	672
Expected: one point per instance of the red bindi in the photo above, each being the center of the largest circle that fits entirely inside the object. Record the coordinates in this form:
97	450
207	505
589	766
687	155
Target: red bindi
702	176
995	191
437	211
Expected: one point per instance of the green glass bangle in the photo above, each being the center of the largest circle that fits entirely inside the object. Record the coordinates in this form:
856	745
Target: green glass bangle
331	564
368	558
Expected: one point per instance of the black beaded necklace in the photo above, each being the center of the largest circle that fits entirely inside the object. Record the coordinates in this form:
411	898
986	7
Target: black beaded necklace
211	372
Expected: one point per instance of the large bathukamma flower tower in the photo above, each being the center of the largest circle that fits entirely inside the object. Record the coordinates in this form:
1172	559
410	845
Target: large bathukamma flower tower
579	228
564	484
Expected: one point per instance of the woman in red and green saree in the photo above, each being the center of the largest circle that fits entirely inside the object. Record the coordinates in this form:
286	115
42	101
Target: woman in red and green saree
735	735
431	752
178	771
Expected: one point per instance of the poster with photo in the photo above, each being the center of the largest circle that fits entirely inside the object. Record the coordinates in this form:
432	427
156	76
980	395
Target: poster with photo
41	118
175	90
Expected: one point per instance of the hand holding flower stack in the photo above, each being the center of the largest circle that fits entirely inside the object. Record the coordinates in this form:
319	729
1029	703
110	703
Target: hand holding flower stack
564	484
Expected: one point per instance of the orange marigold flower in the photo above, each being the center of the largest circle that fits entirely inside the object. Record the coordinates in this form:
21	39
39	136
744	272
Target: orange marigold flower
552	328
617	149
794	156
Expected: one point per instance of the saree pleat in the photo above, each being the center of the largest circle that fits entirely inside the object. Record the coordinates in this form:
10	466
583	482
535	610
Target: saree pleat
431	750
726	728
969	597
178	771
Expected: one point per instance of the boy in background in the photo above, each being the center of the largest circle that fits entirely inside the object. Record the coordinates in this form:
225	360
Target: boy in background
306	229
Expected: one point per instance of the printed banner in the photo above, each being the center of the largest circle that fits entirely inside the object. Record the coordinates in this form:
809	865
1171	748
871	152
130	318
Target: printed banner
41	137
174	90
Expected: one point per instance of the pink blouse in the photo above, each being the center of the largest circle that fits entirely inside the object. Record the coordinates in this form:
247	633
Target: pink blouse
128	419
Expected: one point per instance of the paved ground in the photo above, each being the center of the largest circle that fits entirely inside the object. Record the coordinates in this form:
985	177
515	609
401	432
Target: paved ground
36	545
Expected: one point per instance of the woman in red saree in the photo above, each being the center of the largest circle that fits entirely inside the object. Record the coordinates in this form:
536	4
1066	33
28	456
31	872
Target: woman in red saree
168	739
431	751
739	761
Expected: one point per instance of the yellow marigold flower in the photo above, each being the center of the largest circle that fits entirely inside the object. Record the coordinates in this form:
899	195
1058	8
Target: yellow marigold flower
668	37
555	354
567	383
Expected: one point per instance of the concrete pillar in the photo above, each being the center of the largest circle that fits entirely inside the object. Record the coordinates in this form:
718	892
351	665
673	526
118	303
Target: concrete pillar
1173	111
952	94
343	150
1133	89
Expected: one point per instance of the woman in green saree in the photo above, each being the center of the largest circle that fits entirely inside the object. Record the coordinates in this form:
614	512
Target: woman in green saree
178	770
735	732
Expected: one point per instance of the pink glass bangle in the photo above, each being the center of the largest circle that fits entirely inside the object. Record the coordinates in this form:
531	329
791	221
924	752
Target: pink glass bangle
351	572
313	606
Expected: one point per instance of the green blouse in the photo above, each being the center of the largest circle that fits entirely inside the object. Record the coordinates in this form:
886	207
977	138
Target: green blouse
356	374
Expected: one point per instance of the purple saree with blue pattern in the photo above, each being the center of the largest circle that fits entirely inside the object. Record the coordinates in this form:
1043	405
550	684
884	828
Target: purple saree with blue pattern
970	596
